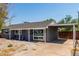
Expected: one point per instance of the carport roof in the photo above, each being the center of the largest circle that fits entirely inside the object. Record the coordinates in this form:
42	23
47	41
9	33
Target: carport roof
64	25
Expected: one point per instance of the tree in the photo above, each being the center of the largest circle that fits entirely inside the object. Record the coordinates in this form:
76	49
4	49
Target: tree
50	19
3	14
61	21
74	21
66	20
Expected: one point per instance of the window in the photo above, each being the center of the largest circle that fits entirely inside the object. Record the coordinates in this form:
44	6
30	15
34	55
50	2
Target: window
38	37
35	37
5	31
16	32
38	32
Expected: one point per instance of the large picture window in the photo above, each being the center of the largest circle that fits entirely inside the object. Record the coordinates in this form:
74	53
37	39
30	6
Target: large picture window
38	34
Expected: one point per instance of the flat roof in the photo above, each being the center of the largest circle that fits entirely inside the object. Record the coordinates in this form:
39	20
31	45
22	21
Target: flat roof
64	25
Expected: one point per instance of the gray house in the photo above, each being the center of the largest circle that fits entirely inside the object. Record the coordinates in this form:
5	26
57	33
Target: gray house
29	31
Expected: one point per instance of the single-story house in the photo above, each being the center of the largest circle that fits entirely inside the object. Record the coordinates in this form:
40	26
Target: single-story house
29	31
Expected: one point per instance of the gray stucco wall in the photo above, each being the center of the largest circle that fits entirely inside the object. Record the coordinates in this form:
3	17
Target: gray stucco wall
5	34
52	33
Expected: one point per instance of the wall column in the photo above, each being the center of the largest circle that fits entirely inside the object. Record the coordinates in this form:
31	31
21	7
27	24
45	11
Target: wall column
9	34
44	37
33	34
19	34
29	35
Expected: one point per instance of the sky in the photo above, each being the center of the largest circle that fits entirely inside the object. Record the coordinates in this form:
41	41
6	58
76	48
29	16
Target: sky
34	12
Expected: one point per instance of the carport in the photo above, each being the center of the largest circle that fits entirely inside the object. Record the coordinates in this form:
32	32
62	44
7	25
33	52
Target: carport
73	26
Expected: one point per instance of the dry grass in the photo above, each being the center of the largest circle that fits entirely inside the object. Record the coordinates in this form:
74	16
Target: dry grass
21	48
7	51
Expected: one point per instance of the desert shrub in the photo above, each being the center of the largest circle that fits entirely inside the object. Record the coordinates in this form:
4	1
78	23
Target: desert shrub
10	45
33	49
25	49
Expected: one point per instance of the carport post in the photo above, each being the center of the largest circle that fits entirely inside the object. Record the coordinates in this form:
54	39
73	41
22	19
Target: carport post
74	39
74	36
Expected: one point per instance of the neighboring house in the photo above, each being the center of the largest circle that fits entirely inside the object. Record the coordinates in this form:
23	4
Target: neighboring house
29	31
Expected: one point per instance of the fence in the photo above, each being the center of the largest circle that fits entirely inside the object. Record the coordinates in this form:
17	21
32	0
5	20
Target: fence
68	35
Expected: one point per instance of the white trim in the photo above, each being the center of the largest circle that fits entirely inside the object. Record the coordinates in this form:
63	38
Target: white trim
27	28
64	24
38	36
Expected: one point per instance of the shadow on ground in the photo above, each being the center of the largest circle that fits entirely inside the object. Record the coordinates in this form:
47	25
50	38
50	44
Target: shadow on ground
58	41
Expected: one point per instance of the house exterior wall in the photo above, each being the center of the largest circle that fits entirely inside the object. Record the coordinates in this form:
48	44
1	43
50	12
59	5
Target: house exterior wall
24	35
5	33
31	35
51	33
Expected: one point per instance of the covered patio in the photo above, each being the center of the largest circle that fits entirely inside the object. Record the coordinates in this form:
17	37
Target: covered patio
73	27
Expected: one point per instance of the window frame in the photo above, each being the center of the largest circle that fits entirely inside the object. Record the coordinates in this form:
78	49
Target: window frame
38	36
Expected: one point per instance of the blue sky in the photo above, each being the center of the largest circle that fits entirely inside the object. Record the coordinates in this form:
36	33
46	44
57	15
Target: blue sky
30	12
